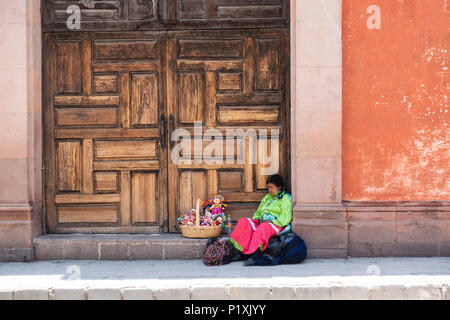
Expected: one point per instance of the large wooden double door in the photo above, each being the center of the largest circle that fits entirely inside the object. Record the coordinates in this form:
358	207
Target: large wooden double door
113	101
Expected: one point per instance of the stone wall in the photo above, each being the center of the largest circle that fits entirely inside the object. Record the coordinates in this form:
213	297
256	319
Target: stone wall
20	128
330	227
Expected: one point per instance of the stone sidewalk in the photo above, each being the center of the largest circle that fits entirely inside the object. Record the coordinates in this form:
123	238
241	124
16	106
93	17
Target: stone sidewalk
358	278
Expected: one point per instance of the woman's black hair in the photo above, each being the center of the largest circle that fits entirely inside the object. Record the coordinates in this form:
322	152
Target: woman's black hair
276	180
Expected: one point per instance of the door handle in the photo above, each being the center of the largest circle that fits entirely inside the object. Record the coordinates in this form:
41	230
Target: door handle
171	130
162	131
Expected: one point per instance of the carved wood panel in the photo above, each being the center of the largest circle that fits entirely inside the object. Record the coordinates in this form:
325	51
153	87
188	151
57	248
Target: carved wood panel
132	15
104	159
240	84
112	101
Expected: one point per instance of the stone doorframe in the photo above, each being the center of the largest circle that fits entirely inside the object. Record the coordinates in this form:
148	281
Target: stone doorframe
316	103
316	122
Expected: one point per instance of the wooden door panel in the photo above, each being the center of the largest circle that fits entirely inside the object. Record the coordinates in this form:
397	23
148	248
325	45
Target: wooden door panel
192	97
145	197
124	50
228	81
144	100
194	186
167	14
105	83
107	181
106	166
69	166
88	214
126	150
69	70
267	52
103	104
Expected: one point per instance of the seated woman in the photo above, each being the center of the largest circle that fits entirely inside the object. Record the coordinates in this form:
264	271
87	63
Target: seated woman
273	217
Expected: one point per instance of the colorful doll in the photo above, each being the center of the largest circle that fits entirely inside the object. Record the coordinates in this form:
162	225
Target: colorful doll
217	206
211	213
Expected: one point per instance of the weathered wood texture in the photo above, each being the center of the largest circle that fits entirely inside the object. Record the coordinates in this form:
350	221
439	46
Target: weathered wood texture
133	15
113	99
238	83
105	166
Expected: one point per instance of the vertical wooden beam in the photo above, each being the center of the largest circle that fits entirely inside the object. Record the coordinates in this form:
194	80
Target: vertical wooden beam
125	197
50	88
86	52
212	8
88	181
174	175
249	66
124	108
212	182
210	99
249	185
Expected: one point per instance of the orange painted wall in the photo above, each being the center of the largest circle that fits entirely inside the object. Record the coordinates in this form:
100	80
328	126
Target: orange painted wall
396	128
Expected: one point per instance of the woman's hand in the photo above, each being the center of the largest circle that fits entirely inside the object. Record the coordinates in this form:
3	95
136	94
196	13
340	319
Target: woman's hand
268	217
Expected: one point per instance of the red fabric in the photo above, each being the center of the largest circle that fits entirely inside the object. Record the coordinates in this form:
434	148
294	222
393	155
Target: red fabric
250	239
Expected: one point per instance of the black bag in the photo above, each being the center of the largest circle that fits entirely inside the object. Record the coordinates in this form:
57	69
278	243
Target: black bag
285	249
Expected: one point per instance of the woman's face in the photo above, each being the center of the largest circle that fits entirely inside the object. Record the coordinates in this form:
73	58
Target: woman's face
273	189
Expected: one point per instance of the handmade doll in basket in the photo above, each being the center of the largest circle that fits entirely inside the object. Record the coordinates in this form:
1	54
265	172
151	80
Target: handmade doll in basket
215	205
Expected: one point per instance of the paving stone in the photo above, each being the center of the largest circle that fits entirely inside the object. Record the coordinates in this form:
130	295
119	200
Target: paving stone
371	238
323	234
415	250
209	293
113	251
31	294
117	247
387	292
250	293
69	294
425	278
49	250
104	294
183	251
181	293
312	293
201	249
349	293
16	255
425	292
327	253
283	293
6	295
137	294
146	251
81	250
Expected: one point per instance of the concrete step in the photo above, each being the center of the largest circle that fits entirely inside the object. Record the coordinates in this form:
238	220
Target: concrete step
117	247
322	279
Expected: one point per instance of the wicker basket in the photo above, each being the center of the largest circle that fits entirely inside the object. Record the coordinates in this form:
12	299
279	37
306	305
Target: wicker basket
198	231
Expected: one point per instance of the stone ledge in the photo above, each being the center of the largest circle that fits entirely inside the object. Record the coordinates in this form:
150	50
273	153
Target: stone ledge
117	247
237	292
374	229
16	255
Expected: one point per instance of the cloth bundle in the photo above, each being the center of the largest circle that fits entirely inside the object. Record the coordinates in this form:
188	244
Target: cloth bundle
283	249
219	252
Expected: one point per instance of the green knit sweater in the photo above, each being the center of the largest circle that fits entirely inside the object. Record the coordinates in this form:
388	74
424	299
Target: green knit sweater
279	206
